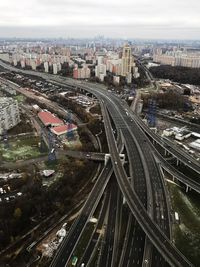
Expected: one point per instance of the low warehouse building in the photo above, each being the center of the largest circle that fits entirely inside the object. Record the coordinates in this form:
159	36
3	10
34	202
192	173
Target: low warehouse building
48	119
62	131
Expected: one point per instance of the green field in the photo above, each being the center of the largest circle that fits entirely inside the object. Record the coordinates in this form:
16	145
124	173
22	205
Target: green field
20	98
187	233
21	148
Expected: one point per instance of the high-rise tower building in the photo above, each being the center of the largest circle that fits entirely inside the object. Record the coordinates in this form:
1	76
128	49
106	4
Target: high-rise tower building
127	60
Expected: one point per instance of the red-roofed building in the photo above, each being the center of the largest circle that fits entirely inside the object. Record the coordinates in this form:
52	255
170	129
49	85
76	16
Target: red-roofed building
48	119
63	130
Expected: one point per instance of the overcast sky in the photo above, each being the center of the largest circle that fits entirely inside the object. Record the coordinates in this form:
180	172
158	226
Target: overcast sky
173	19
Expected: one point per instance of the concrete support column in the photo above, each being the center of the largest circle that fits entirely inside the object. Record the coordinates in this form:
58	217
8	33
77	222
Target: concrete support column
122	157
124	200
187	188
107	156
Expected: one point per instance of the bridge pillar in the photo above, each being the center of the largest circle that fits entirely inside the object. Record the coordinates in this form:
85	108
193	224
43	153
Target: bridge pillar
122	157
187	188
107	157
173	178
165	152
177	162
124	200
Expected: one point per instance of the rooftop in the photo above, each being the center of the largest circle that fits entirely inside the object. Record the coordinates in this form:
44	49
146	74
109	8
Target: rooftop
49	119
63	129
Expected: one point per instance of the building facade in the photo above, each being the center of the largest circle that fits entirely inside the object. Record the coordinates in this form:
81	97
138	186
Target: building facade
178	59
100	71
81	73
127	60
9	113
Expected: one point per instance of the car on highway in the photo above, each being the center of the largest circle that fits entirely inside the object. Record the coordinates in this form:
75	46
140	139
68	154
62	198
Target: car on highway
74	261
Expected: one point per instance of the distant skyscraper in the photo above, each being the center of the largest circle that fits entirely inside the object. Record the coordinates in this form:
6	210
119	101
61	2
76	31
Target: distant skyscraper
55	68
127	60
46	67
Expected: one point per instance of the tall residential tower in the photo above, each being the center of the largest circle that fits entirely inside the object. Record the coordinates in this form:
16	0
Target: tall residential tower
127	61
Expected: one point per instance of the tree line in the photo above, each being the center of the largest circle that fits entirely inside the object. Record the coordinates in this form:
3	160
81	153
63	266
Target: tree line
177	74
167	100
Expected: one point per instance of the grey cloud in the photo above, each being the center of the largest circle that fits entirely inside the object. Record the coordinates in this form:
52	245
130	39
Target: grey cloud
127	31
92	17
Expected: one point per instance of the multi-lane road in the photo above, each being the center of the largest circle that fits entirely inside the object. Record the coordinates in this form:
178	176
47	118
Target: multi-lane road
68	245
145	194
156	236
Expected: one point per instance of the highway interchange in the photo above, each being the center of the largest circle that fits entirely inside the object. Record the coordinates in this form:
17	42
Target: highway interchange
143	189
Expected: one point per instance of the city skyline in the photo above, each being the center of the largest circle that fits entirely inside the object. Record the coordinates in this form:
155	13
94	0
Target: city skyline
132	19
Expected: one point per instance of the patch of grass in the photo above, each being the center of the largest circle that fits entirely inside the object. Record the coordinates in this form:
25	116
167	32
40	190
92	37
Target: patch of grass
188	243
20	98
187	234
22	148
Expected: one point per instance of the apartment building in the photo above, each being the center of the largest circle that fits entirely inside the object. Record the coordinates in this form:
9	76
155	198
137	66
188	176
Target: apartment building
127	60
178	59
100	71
81	73
9	113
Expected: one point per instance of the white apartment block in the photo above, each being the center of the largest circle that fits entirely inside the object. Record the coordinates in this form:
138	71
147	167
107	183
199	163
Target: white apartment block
33	64
100	71
59	67
85	72
177	59
114	66
46	67
55	68
9	113
34	59
100	60
164	59
81	73
129	78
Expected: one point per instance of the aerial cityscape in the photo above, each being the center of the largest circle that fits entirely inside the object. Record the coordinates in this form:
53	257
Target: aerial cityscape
99	133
